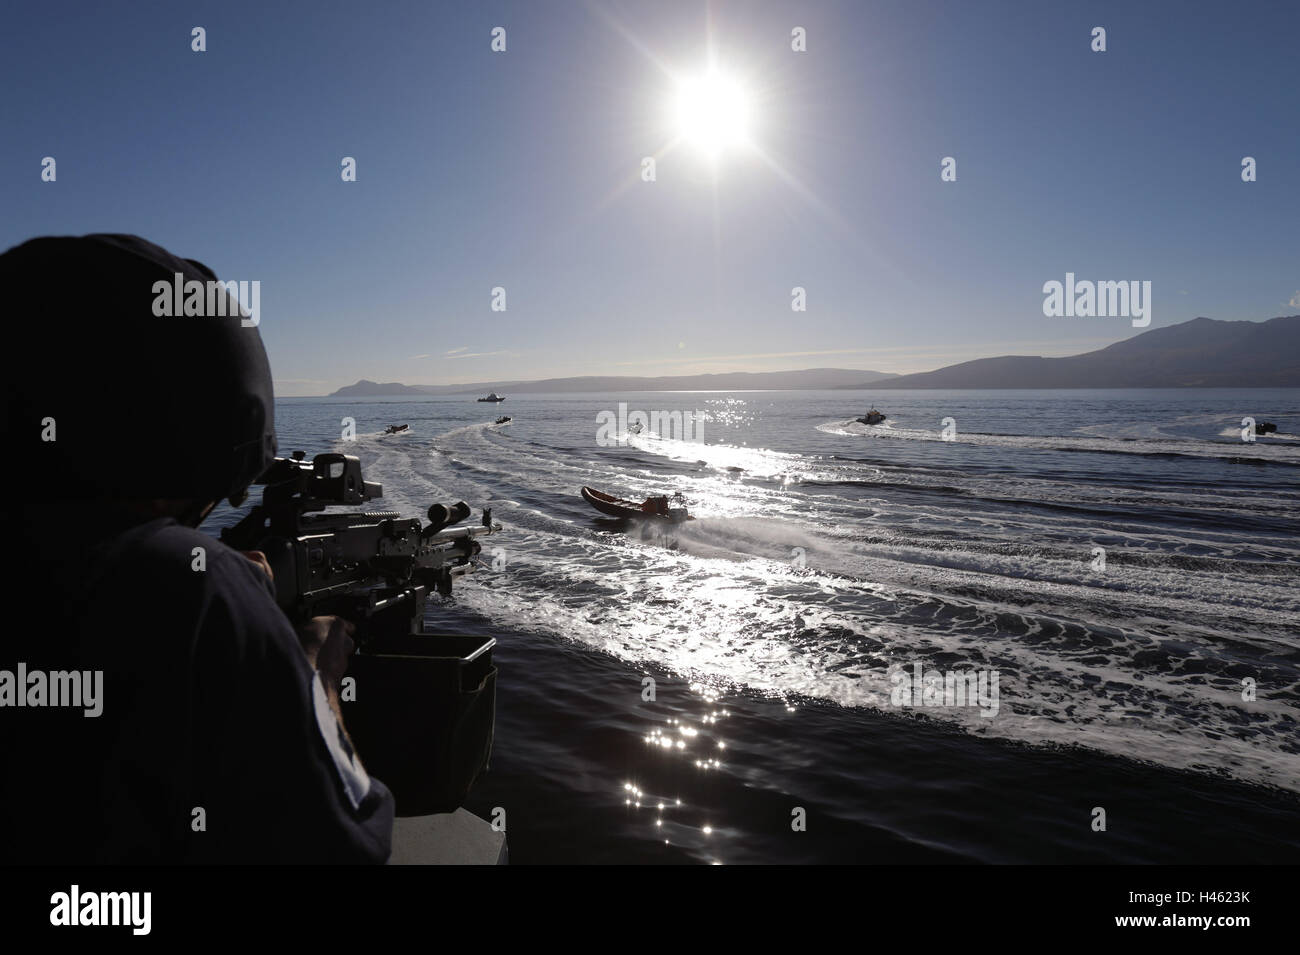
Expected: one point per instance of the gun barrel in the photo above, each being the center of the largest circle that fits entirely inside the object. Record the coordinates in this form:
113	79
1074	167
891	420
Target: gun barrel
456	533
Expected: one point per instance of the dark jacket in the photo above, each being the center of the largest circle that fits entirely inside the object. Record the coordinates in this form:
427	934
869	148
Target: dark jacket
209	714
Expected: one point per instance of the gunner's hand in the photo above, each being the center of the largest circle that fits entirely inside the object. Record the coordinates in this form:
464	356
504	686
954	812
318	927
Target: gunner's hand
258	558
328	643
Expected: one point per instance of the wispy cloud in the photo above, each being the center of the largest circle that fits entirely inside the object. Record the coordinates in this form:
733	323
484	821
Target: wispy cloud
1295	300
413	357
475	354
456	351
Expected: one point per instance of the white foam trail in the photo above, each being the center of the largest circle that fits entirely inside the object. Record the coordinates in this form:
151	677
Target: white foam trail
742	461
789	593
1190	448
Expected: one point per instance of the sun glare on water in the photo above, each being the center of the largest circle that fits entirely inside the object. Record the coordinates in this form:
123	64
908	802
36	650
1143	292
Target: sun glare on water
712	113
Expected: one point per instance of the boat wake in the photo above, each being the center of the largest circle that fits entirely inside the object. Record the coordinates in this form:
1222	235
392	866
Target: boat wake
824	585
730	459
1151	441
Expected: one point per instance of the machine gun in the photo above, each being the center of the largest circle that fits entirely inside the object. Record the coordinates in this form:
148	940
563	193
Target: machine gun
421	708
373	568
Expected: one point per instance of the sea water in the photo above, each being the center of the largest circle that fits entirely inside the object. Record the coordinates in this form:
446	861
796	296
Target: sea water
1121	562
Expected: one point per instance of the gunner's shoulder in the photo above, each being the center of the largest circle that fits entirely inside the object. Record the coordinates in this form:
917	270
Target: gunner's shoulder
181	554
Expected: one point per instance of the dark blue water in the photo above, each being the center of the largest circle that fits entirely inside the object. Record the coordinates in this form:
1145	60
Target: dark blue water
1122	561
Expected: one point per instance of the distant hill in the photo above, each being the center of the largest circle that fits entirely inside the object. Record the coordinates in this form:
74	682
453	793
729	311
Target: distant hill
1202	353
805	379
371	389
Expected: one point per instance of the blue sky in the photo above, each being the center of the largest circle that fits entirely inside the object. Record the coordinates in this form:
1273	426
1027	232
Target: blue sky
521	169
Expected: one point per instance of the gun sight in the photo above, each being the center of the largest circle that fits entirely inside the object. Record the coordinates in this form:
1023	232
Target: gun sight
444	515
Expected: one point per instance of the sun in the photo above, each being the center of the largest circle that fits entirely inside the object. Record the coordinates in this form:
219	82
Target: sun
712	113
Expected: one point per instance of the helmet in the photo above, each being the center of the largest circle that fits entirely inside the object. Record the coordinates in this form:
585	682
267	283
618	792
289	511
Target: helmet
105	399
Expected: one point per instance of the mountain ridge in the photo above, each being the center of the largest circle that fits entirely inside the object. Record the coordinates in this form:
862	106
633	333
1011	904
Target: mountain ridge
798	379
1200	353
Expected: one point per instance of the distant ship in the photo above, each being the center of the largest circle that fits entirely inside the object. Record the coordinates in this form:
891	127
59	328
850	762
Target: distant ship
493	397
871	417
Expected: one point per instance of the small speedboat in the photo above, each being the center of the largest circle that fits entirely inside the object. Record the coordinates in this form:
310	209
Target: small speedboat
504	419
661	507
1265	427
493	397
396	428
871	417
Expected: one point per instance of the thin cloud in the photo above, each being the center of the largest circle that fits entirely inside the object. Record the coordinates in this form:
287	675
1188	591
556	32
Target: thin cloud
413	357
1295	300
475	354
456	351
